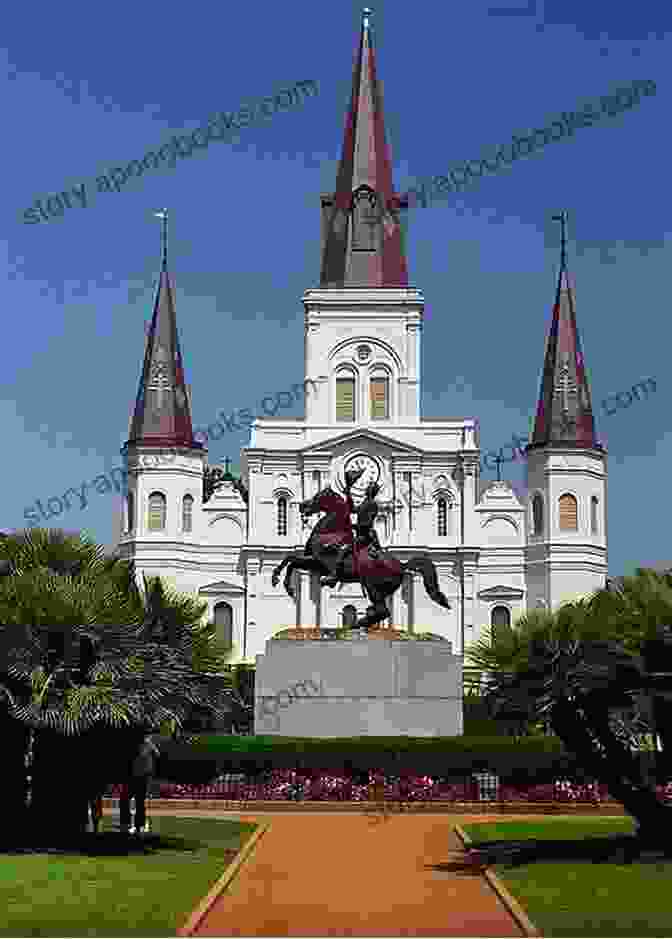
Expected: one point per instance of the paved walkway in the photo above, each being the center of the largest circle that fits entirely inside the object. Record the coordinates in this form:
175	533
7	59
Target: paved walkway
348	875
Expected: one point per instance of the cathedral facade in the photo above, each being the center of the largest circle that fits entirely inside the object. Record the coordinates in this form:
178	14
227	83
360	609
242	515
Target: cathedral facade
220	537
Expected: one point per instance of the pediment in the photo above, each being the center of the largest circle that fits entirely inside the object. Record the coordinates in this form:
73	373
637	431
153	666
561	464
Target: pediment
221	586
500	493
356	437
500	592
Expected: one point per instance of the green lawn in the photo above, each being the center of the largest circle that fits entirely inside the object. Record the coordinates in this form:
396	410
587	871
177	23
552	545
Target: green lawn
119	894
578	897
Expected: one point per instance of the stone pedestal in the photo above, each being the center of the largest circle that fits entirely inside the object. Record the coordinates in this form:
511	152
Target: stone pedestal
359	687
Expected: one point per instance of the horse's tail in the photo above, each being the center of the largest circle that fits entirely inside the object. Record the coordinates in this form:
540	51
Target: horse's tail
423	564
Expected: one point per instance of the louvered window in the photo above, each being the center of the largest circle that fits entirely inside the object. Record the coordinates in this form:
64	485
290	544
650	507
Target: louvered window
442	517
366	222
187	512
157	512
345	399
538	514
568	512
380	398
594	502
282	516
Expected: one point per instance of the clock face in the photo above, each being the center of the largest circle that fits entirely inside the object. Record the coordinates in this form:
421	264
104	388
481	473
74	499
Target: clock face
371	472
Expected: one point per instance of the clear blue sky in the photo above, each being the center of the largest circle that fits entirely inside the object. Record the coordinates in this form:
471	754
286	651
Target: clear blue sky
88	88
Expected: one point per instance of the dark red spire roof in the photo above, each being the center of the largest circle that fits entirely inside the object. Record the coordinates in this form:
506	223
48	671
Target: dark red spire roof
362	242
162	413
564	413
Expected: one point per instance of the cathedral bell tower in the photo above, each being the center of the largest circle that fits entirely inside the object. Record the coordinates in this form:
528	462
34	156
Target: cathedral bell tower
164	463
362	325
566	468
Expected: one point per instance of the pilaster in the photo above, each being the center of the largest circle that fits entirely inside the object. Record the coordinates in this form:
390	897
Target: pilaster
305	605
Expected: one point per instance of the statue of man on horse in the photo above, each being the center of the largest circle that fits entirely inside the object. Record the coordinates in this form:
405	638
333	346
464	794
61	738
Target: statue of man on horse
366	536
338	553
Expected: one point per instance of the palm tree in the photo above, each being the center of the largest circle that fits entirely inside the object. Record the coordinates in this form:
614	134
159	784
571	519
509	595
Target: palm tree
640	608
580	669
85	687
174	618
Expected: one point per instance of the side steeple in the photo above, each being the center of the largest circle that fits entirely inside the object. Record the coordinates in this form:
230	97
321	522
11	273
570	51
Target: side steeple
162	415
564	412
362	244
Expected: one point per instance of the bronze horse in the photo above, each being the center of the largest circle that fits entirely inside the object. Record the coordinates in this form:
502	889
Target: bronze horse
380	577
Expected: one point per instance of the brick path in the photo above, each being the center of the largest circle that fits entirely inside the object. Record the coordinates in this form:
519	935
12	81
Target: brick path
346	875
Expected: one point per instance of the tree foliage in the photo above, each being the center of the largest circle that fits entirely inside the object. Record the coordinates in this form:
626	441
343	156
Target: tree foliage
586	670
84	647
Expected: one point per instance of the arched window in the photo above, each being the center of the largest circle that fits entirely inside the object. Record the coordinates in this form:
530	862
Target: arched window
349	615
442	517
594	502
187	512
282	516
538	514
365	221
568	512
130	508
224	623
500	616
380	398
156	520
345	398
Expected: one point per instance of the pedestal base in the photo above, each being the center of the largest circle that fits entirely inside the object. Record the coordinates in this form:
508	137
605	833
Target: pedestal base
364	686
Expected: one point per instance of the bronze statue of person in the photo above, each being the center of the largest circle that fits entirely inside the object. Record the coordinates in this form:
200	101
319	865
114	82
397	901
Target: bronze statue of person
327	544
365	533
366	517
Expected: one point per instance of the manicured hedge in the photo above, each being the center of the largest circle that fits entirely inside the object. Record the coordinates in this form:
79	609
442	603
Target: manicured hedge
207	756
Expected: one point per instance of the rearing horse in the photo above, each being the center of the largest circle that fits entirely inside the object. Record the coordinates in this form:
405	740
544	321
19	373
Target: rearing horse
379	577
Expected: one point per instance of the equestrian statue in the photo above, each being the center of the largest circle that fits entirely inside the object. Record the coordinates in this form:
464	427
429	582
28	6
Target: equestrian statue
339	554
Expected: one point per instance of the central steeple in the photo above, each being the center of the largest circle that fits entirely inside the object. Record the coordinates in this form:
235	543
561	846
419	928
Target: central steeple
362	243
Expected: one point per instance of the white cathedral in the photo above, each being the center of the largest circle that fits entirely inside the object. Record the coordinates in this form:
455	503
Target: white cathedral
495	555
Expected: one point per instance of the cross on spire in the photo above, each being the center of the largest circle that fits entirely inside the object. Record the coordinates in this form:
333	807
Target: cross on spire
562	218
164	236
499	460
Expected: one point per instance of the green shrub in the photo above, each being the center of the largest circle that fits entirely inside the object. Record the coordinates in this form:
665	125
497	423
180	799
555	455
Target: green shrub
527	758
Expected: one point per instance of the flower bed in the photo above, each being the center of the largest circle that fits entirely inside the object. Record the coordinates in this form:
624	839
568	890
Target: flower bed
284	785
